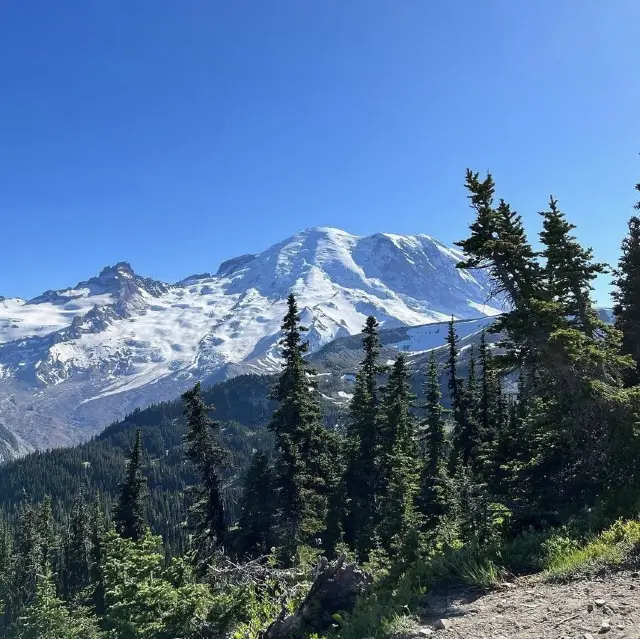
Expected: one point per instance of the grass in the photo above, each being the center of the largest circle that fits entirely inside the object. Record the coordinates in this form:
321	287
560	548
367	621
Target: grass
385	613
555	555
615	547
400	627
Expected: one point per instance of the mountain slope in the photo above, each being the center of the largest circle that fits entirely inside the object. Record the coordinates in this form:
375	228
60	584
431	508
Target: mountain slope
243	407
71	361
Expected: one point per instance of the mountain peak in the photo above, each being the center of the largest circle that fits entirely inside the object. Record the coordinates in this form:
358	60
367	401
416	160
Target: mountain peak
119	340
235	263
121	269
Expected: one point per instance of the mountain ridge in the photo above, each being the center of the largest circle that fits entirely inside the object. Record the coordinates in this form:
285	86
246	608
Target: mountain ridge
75	359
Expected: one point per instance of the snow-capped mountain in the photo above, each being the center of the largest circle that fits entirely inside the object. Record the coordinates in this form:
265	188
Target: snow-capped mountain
75	359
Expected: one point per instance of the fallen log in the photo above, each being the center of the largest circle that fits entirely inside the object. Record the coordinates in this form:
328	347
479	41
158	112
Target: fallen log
334	589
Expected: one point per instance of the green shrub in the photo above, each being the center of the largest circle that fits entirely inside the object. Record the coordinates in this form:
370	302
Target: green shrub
617	545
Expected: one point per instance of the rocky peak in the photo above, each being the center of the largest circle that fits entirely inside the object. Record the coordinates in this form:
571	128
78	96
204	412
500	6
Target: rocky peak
119	270
234	264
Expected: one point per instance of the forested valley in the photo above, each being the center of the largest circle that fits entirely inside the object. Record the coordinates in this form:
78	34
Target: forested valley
254	524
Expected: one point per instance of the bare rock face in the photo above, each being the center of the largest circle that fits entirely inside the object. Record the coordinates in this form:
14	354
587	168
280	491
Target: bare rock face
335	589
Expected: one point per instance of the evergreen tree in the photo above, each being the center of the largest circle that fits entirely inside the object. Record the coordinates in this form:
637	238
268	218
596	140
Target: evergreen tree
569	269
77	568
47	617
573	429
25	565
401	468
626	296
45	533
306	450
145	600
469	440
432	500
6	549
207	512
96	538
257	507
459	451
486	398
130	511
492	416
363	446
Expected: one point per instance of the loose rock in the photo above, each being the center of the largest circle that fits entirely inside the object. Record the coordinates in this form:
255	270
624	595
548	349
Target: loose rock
442	624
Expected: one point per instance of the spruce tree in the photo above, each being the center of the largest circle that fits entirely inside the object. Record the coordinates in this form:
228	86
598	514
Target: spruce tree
77	564
130	510
492	414
432	499
456	395
26	563
257	507
401	469
306	451
45	532
363	446
626	296
47	616
569	269
207	512
469	436
96	538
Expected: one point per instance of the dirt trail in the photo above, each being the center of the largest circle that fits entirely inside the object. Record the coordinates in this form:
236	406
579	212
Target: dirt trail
595	607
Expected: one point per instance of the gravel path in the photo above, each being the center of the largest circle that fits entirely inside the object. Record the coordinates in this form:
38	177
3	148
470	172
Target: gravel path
591	608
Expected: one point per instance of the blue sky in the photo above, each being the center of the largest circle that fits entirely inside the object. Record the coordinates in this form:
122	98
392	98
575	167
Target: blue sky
175	135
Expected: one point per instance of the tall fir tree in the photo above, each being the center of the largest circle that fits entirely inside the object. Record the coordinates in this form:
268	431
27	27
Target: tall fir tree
626	296
96	538
470	433
130	509
257	507
46	534
306	451
77	547
569	269
363	446
456	396
401	469
26	563
492	413
207	511
432	499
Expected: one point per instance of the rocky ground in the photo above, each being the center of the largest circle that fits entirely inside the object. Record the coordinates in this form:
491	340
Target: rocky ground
531	608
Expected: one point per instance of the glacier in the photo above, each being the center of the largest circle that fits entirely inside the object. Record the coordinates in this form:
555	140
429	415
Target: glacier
73	360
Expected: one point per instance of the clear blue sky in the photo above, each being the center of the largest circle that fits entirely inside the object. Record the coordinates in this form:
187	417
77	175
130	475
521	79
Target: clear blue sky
176	134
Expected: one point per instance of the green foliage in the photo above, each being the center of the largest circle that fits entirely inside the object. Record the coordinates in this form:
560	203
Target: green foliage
96	466
206	512
306	450
433	498
613	547
47	616
77	551
363	447
142	599
129	511
258	508
626	296
400	471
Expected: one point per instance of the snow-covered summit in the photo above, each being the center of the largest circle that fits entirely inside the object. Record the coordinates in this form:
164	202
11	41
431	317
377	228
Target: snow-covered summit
121	340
